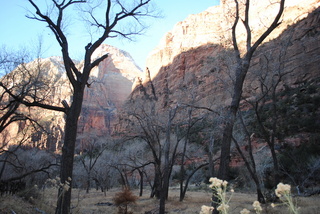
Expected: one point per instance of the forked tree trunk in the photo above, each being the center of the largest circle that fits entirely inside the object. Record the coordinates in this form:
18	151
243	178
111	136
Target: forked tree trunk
243	64
79	79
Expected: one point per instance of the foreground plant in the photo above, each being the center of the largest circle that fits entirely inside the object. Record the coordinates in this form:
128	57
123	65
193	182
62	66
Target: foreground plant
257	207
244	211
206	209
219	188
123	199
283	192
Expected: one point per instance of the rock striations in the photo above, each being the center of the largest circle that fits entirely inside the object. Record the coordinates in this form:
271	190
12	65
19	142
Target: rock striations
197	53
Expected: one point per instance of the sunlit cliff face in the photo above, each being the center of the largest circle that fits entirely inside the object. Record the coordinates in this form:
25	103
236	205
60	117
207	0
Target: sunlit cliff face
213	26
109	85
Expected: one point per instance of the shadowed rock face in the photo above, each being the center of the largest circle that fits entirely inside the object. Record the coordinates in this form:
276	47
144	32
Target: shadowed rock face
194	62
196	55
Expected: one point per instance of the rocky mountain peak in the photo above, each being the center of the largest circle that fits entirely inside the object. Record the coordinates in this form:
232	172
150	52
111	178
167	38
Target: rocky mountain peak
122	60
110	84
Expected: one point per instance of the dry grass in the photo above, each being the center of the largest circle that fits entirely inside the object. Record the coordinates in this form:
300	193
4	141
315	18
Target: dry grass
96	202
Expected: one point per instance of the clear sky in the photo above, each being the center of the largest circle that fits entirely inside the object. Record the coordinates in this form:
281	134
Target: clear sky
18	31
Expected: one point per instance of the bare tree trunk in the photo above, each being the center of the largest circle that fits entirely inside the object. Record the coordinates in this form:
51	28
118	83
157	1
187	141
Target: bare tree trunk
184	189
182	169
78	79
243	64
156	188
66	170
270	138
241	72
88	183
274	131
141	182
252	171
166	172
210	156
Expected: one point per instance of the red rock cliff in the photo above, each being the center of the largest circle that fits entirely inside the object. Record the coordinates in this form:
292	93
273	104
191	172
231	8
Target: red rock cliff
197	53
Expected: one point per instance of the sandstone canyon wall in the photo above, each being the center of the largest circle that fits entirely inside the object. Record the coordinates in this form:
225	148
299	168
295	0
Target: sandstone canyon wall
110	84
193	62
196	55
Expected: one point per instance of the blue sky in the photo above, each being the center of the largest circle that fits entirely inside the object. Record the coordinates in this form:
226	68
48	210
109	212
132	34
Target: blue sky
17	31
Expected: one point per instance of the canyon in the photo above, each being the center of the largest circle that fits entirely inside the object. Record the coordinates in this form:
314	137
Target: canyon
192	63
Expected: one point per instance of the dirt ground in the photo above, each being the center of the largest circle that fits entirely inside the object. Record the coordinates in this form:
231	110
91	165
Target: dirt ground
95	202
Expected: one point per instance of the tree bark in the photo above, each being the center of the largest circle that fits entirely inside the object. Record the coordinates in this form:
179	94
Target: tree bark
141	182
241	73
66	170
166	172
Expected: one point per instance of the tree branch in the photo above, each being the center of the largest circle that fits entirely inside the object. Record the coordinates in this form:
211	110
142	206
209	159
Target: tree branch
30	104
274	25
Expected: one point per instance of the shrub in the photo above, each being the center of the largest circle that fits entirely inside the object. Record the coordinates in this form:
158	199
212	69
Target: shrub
123	199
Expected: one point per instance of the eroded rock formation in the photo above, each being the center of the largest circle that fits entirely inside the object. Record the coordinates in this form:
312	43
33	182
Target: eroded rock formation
197	53
109	85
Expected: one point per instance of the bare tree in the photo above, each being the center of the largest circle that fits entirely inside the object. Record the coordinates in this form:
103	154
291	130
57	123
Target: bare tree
103	175
250	162
242	66
20	82
21	165
142	122
168	161
269	84
157	128
191	129
138	160
91	153
270	76
78	77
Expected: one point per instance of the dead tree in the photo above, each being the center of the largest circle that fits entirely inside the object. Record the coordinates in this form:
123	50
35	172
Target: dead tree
79	78
242	66
93	151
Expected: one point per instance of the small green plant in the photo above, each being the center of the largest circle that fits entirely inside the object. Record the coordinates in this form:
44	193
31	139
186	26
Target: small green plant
283	191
